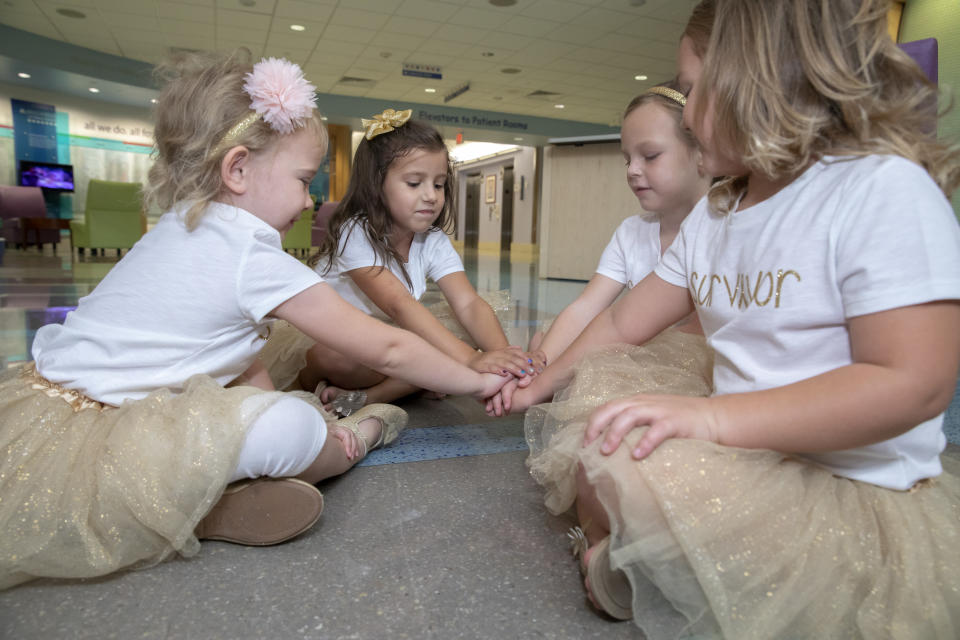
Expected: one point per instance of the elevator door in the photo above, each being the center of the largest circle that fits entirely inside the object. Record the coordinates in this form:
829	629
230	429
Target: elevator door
471	230
506	212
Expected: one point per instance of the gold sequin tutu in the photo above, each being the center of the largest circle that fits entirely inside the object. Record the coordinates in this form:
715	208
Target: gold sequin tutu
720	542
88	489
284	354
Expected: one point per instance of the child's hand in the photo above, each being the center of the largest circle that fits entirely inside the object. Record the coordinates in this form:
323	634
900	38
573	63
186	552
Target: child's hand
513	398
502	361
538	360
492	383
667	417
499	404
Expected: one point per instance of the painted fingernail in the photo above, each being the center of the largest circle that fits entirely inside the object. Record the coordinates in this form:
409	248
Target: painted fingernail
523	372
529	361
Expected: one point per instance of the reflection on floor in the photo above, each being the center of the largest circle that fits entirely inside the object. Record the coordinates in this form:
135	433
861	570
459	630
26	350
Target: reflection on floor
442	535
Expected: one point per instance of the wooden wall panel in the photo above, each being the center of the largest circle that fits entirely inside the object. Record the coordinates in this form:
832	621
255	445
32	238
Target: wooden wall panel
340	158
585	197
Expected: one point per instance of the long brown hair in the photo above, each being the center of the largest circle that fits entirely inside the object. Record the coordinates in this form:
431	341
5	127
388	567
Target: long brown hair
364	201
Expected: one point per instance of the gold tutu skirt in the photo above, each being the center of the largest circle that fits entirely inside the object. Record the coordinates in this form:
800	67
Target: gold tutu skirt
88	489
719	542
285	352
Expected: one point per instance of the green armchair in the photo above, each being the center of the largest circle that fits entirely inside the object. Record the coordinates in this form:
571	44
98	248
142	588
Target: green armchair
298	239
113	219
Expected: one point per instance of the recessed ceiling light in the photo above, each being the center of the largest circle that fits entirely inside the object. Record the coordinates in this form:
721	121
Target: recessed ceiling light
640	77
23	75
518	139
558	106
430	90
94	90
297	27
323	118
71	13
510	70
153	101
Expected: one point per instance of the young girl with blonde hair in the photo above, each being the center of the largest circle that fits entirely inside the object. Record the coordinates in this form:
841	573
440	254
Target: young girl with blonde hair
805	498
119	442
386	239
663	172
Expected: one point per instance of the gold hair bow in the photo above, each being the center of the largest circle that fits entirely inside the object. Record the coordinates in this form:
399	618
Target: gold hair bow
384	122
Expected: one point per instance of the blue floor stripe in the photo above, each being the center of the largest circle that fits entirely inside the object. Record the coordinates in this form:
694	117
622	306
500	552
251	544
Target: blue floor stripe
435	443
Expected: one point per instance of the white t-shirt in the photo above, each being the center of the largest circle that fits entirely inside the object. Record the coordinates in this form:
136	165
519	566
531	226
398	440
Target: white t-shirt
179	303
774	285
633	252
431	256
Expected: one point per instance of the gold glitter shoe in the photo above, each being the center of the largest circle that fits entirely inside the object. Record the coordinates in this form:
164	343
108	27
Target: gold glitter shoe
392	420
262	512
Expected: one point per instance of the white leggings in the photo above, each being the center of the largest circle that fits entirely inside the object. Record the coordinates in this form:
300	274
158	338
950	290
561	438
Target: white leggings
283	441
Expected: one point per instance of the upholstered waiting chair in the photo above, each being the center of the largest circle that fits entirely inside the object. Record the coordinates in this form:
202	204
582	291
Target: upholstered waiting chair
24	202
319	231
113	218
297	239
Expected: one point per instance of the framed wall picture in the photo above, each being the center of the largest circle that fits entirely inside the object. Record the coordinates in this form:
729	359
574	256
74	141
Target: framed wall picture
490	188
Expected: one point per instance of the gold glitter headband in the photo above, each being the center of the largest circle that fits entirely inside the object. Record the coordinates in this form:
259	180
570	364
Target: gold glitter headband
235	132
672	94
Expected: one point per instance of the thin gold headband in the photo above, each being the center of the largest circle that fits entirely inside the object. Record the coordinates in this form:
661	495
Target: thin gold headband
672	94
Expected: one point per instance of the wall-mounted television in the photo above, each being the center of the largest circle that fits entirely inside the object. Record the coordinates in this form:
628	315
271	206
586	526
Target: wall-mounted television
48	175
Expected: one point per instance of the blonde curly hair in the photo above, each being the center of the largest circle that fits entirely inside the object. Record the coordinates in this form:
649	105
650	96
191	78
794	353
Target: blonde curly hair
202	98
793	81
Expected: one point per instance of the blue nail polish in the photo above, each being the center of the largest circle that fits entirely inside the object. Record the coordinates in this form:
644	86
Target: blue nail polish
523	372
529	361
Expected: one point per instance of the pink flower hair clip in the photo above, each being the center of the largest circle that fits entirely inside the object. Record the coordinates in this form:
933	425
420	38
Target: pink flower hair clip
279	94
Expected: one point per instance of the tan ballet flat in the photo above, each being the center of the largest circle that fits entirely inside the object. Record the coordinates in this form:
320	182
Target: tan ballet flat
262	512
392	419
610	589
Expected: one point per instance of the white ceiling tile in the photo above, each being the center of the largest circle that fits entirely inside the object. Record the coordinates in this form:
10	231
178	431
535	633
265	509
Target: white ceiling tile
573	34
38	25
410	26
130	20
258	37
348	34
337	47
304	10
460	33
529	27
108	7
260	6
426	10
499	42
557	10
443	47
603	19
356	18
185	28
479	18
186	12
299	56
242	19
380	6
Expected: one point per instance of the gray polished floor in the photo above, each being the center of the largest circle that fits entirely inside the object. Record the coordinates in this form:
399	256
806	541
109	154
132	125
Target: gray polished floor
442	535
